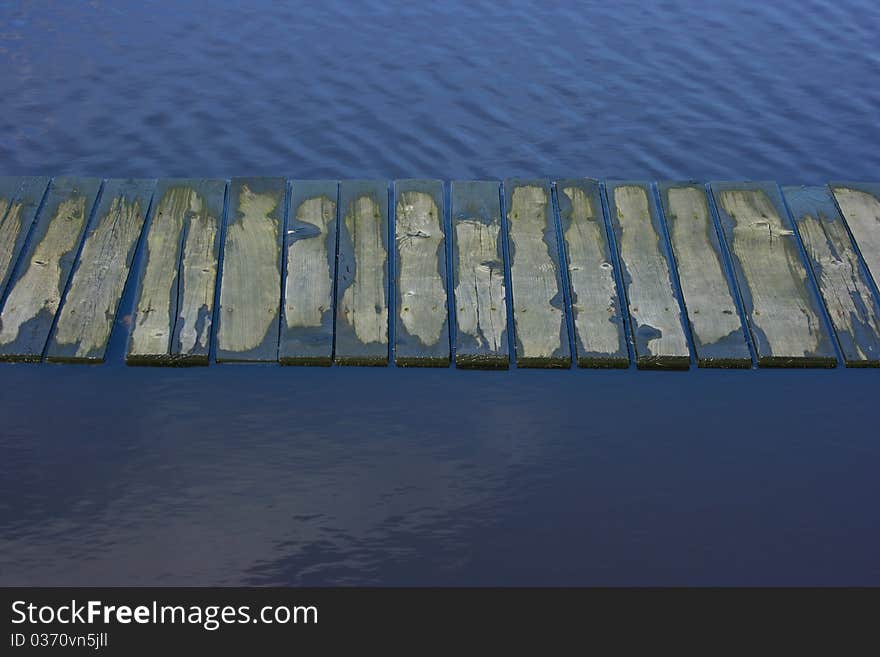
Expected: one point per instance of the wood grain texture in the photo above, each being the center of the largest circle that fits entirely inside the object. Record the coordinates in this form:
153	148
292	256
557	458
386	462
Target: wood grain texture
172	318
35	291
843	284
599	335
89	309
540	329
421	336
478	276
250	287
19	200
655	314
709	293
310	243
362	274
860	205
783	312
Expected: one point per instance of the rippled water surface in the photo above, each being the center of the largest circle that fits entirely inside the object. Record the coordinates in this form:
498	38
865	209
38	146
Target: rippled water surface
268	475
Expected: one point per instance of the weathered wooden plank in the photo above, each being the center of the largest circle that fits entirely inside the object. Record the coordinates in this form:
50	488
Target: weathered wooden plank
540	329
89	309
362	274
19	200
421	336
307	324
860	205
655	314
709	293
250	287
844	286
478	276
599	335
172	318
783	312
34	294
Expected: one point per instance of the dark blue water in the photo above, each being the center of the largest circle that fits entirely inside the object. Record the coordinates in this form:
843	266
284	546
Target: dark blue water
268	475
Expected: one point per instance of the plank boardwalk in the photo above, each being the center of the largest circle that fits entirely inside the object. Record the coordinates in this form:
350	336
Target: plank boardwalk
599	335
421	336
783	312
655	315
845	287
172	318
89	308
35	290
362	274
540	329
310	248
860	205
478	276
709	295
530	272
250	286
19	201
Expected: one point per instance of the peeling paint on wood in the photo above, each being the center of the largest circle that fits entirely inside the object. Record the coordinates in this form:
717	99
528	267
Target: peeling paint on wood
655	315
35	292
478	276
860	205
362	271
89	310
708	292
19	200
307	328
250	288
536	280
783	312
172	318
599	336
422	328
845	288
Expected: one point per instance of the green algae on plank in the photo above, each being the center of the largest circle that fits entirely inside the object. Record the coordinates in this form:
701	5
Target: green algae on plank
784	314
86	318
478	275
599	335
307	327
708	292
845	288
19	200
541	331
655	315
34	294
250	288
362	287
422	329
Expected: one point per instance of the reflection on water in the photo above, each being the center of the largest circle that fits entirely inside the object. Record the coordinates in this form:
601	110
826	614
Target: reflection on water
270	475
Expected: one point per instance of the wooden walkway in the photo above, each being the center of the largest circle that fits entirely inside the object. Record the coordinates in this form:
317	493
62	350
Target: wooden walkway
482	274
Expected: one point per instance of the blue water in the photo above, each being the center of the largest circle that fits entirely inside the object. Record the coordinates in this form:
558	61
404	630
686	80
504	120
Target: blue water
270	475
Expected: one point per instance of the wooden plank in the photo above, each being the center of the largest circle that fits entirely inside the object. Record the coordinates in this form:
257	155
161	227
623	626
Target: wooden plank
599	335
421	336
478	276
843	284
656	325
35	292
540	329
19	200
783	312
250	287
89	309
860	205
172	318
708	291
362	274
310	242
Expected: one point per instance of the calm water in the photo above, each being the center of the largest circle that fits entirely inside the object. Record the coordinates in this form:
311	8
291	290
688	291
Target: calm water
264	475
